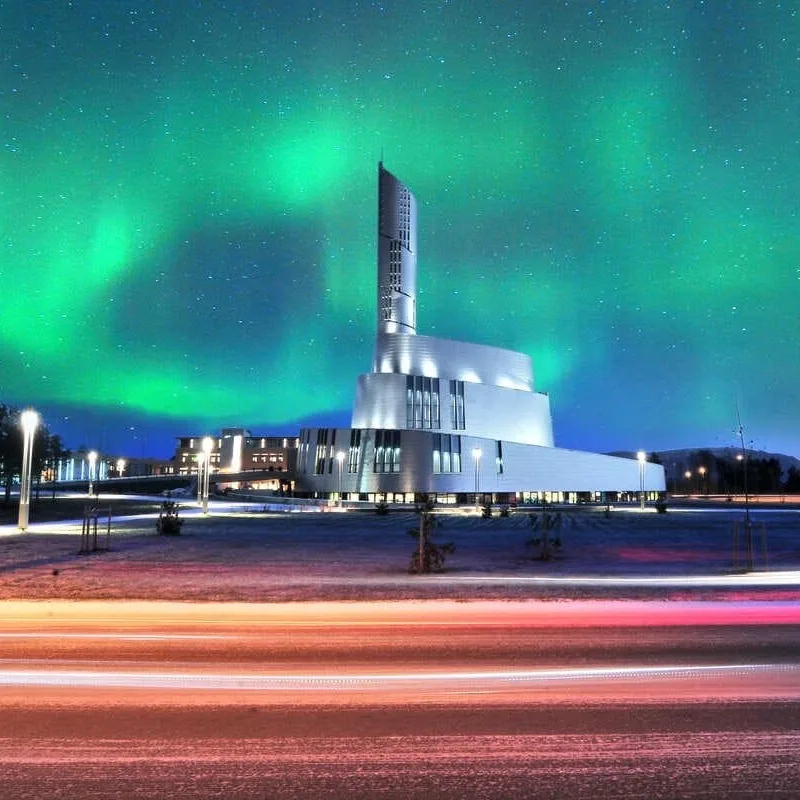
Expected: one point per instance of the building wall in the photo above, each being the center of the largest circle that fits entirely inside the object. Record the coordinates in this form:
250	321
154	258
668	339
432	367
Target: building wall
489	411
447	358
236	449
524	468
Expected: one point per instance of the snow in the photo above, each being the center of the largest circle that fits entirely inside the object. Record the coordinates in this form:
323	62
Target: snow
242	553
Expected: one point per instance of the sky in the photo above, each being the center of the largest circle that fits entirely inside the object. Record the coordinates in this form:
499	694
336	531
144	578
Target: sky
189	210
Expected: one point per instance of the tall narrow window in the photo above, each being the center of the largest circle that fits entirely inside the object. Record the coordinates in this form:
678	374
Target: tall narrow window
354	454
422	402
446	453
457	405
321	452
387	451
499	458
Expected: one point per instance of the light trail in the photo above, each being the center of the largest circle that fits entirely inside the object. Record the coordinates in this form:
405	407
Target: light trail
123	637
777	578
322	682
120	618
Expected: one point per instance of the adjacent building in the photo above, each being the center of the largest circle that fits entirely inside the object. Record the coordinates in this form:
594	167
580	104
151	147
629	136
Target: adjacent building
447	418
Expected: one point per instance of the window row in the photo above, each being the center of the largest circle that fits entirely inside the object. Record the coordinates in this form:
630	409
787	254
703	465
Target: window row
445	451
422	402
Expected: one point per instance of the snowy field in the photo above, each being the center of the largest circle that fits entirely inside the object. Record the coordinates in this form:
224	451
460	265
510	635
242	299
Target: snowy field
248	555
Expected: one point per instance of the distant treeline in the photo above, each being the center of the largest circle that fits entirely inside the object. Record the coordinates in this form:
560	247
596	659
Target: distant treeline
701	471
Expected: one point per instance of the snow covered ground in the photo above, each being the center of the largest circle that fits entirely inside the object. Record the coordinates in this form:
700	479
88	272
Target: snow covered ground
249	555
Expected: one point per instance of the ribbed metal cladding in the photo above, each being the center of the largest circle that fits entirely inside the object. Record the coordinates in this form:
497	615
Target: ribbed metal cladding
397	255
448	358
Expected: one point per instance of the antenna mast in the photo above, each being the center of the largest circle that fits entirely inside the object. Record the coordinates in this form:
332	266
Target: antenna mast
748	530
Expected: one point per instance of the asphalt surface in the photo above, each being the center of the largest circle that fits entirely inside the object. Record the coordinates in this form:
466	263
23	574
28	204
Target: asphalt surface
399	700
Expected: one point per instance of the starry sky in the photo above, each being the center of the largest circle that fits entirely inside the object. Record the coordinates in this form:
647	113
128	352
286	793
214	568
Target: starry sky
188	190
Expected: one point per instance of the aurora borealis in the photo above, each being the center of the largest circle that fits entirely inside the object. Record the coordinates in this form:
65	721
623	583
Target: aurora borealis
188	218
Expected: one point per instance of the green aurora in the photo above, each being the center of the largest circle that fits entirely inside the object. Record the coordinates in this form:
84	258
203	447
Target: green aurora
189	208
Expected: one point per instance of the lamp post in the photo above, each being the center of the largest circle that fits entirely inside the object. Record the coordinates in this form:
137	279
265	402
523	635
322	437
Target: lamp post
120	467
92	456
702	471
340	460
641	457
688	476
748	528
200	467
476	455
29	419
204	480
740	459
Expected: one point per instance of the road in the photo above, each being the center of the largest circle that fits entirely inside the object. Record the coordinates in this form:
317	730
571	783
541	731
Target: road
399	700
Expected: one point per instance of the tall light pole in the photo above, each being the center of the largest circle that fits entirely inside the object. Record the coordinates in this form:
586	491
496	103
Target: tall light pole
702	471
340	459
641	457
29	419
740	459
748	528
476	456
688	476
204	480
92	456
200	468
120	467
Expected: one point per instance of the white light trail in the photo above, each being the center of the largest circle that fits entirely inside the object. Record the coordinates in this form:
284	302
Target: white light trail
145	680
777	578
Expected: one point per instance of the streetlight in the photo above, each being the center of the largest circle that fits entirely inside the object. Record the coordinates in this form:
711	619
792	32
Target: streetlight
92	456
29	420
688	476
740	459
120	467
641	457
340	459
203	477
702	471
476	455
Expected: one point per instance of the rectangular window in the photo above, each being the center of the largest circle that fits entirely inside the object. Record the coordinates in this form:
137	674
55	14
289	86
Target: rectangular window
499	458
422	402
387	451
321	454
455	453
457	405
446	453
354	454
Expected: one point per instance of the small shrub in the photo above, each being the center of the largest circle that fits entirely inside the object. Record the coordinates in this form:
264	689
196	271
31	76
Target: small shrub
661	505
168	522
382	508
505	511
486	511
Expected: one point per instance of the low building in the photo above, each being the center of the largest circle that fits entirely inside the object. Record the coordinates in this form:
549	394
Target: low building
236	451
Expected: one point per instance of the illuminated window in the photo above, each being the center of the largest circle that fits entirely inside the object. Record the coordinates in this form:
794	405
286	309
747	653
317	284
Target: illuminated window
499	458
446	453
422	402
387	451
457	405
322	452
354	453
